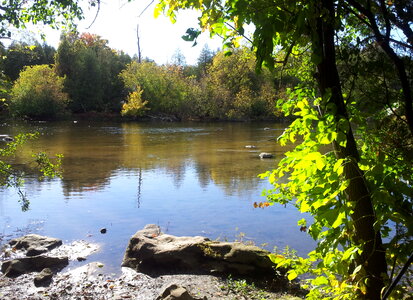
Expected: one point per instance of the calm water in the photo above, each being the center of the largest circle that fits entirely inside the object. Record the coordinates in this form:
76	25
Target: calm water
189	178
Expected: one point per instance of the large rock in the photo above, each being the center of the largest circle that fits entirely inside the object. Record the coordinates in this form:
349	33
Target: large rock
35	244
44	278
176	292
154	253
19	266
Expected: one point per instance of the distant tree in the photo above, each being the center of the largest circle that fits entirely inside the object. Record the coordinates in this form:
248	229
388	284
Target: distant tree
165	88
65	56
178	58
85	85
204	59
91	68
235	90
38	93
21	54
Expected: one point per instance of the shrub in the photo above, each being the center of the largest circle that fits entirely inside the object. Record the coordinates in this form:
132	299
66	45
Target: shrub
38	93
135	106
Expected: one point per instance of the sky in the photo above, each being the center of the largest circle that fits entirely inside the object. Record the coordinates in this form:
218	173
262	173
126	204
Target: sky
159	38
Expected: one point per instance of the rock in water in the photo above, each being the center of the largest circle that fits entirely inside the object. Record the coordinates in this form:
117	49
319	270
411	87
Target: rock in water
6	138
154	253
266	155
35	243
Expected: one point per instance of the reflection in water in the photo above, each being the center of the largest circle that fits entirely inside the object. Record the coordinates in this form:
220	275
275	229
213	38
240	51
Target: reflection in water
93	153
190	178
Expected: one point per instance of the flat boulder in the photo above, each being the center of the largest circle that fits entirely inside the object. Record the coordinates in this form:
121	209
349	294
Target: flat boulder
35	244
19	266
154	253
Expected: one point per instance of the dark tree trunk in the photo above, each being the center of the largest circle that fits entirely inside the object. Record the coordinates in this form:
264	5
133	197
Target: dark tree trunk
373	256
139	45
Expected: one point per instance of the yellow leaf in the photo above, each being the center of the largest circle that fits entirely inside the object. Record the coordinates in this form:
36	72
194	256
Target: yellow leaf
304	206
292	275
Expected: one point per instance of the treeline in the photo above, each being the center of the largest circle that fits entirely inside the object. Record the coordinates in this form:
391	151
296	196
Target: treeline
84	75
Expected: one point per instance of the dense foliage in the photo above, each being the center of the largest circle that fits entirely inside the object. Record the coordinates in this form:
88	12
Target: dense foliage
91	69
38	93
221	87
235	91
100	79
23	54
358	188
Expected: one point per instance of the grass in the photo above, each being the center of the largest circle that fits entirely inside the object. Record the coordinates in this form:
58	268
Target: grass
241	289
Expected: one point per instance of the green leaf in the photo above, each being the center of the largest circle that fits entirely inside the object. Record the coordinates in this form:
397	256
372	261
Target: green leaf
302	222
340	219
348	253
320	280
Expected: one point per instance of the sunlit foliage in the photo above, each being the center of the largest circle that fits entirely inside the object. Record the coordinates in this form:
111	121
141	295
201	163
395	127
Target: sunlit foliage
38	93
134	106
341	172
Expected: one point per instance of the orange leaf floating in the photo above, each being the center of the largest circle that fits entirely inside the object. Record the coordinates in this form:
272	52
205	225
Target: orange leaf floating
261	204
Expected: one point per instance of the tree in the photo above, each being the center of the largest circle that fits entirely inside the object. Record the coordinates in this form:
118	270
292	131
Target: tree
336	187
21	54
91	68
38	93
178	58
164	88
204	60
235	90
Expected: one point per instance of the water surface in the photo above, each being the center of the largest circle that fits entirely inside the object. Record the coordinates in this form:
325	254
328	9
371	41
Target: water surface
189	178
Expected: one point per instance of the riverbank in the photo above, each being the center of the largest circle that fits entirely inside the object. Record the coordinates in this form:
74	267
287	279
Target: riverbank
90	281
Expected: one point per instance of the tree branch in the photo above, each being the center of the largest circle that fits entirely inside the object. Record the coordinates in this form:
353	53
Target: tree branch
96	16
399	276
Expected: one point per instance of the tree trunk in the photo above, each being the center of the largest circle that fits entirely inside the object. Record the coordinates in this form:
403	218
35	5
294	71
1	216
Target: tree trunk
139	45
357	194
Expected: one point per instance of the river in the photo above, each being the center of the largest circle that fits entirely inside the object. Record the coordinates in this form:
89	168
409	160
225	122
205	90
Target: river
189	178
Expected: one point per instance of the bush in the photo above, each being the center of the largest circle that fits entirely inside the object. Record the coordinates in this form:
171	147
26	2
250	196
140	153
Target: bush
135	106
38	93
